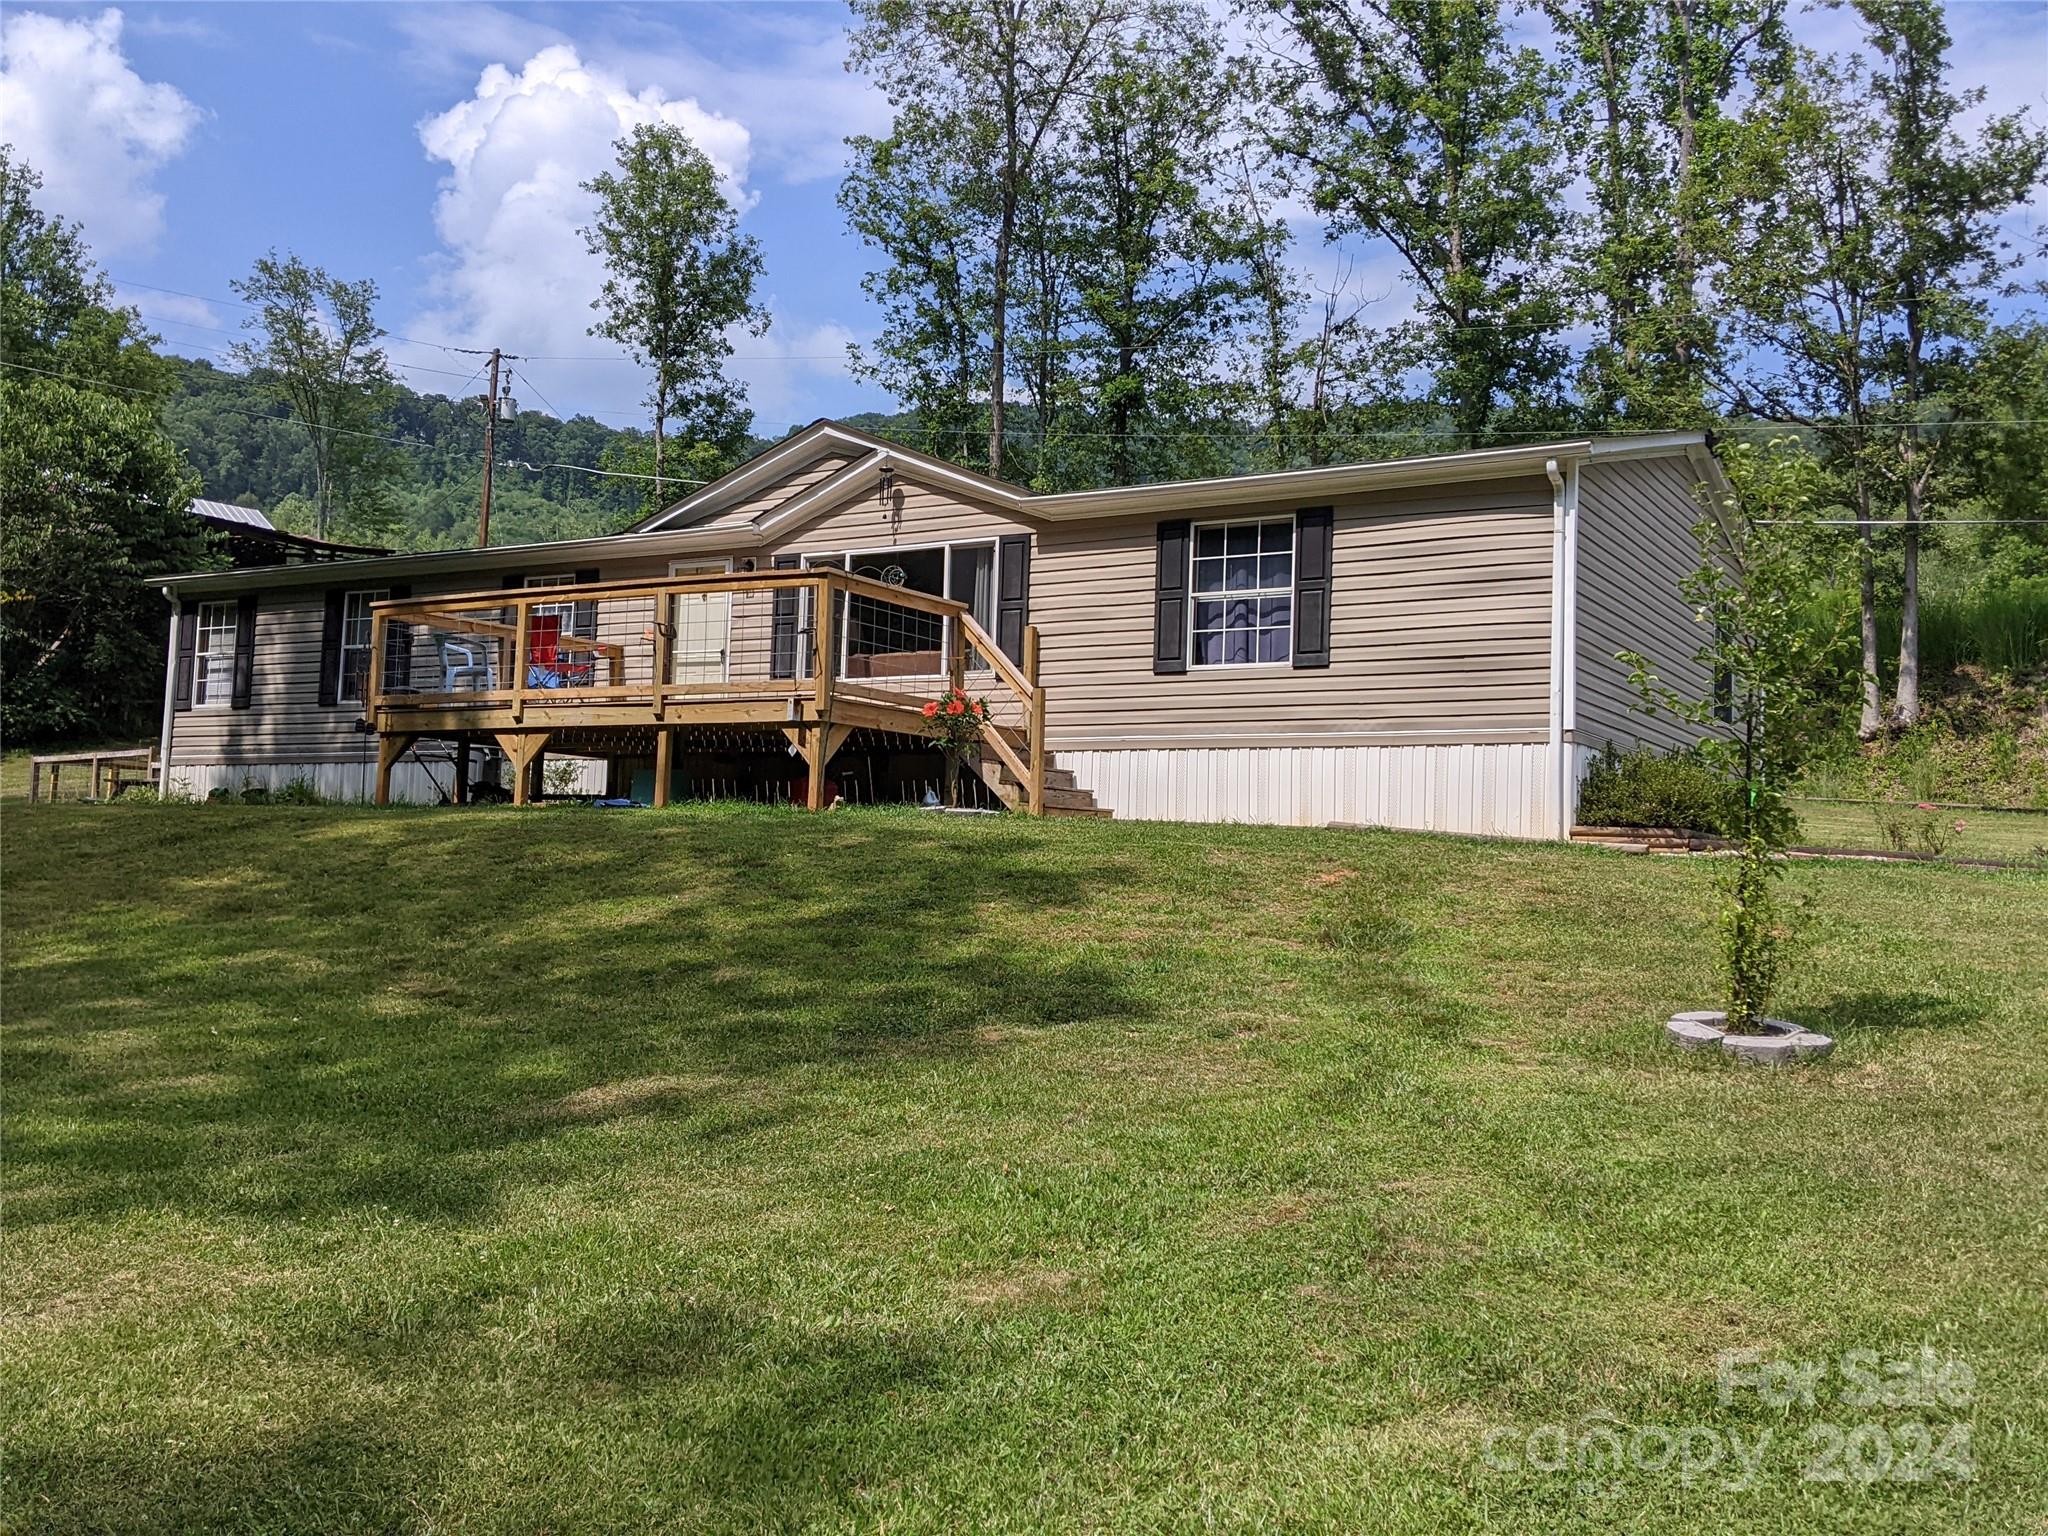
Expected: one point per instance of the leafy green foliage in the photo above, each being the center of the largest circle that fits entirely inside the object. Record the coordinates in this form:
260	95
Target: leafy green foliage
1655	80
92	493
314	349
678	278
232	432
1646	788
1418	123
1049	207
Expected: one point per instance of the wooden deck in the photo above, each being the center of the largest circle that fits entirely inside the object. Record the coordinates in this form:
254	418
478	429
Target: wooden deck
810	655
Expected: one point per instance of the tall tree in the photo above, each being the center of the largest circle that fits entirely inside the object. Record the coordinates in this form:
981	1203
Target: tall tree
679	277
1864	287
92	493
1417	123
981	91
315	345
1656	80
1294	381
910	196
1940	201
1810	295
1161	255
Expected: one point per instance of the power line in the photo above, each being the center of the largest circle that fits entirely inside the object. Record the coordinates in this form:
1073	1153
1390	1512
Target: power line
585	469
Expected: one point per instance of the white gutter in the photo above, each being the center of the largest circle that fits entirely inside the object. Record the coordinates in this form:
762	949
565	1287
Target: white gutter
163	746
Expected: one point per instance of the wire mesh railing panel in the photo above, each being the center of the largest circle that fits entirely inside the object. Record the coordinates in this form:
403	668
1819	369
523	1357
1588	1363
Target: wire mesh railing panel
893	645
983	680
455	657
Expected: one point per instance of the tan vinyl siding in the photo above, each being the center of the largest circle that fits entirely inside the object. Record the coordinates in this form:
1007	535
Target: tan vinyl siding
1635	546
914	515
772	496
285	721
1440	630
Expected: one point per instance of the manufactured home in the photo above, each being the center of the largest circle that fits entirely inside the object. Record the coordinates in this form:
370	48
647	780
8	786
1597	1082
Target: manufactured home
1423	642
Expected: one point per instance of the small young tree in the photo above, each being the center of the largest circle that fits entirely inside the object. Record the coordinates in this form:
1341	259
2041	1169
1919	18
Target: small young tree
1780	677
316	343
679	276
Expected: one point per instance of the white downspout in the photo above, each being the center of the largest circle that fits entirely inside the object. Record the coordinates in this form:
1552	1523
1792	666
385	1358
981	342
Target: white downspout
163	746
1573	476
1559	792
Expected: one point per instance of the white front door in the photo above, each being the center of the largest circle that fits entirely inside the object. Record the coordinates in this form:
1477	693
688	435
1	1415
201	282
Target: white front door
703	621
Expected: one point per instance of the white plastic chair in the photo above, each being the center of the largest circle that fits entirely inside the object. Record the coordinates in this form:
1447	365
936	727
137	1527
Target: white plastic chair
468	664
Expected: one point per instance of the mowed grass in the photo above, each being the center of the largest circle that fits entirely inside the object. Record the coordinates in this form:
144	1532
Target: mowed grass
2000	834
730	1169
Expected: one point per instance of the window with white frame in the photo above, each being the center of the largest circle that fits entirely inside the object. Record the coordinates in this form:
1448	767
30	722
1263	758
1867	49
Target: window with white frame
213	656
1243	612
355	642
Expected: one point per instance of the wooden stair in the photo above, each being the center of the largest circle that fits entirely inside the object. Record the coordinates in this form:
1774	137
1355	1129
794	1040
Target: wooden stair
1062	796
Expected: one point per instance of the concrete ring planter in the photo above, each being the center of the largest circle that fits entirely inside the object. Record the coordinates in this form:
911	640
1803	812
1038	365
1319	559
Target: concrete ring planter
1780	1042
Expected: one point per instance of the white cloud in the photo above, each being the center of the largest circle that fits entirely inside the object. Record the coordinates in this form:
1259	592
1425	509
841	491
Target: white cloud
514	272
96	131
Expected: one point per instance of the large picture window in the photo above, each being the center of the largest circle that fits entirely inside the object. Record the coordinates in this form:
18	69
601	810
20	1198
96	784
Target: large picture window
355	643
1244	593
213	656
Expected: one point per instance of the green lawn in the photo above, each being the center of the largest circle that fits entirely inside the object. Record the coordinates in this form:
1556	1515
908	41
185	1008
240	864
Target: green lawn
1984	834
732	1169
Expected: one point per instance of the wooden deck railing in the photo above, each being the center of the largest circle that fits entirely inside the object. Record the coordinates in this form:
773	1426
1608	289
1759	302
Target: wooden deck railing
817	652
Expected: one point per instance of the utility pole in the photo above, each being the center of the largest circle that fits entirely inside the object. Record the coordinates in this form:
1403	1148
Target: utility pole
483	522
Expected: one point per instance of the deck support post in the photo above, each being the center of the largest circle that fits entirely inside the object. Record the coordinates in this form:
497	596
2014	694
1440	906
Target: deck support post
522	750
814	752
461	794
1036	788
664	760
389	750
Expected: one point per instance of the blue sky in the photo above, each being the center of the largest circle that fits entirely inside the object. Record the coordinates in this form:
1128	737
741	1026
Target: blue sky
437	150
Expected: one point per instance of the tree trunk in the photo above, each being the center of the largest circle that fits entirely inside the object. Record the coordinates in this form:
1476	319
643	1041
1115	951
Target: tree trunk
1906	701
1871	720
997	338
1684	260
659	499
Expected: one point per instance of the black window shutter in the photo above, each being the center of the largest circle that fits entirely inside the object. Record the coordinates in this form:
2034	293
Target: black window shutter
1013	593
1170	607
583	618
782	623
516	581
398	647
330	650
245	650
188	644
1314	551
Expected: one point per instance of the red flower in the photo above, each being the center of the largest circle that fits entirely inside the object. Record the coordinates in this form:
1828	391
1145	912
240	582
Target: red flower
977	707
931	709
955	707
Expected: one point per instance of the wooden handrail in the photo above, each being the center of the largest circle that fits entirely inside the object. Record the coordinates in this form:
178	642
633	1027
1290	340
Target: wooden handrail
1000	664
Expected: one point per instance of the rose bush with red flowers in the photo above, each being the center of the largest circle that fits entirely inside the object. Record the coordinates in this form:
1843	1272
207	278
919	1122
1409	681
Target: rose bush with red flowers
955	721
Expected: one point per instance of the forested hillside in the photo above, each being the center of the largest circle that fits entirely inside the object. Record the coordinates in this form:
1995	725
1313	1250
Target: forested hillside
245	448
236	435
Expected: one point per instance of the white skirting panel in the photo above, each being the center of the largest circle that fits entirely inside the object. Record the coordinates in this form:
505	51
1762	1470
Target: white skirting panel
1503	790
412	782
